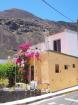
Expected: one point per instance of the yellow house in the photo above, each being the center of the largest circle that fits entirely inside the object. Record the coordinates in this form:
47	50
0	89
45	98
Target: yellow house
57	70
58	64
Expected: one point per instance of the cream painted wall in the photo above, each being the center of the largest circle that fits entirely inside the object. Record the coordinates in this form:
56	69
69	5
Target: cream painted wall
63	79
66	78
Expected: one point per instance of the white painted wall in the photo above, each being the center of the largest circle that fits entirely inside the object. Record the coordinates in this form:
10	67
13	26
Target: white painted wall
69	42
71	46
2	61
40	46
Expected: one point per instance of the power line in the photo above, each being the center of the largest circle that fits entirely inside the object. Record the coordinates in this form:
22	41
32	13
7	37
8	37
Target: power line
56	10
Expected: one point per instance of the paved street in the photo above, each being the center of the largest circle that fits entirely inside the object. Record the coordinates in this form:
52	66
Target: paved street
67	99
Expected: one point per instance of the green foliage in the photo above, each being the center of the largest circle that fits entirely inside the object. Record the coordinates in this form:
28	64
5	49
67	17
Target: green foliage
7	70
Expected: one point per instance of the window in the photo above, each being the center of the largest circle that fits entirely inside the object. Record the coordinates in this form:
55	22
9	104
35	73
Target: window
32	73
57	68
65	67
73	66
57	45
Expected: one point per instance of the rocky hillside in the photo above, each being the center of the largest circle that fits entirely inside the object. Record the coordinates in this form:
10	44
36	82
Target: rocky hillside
18	26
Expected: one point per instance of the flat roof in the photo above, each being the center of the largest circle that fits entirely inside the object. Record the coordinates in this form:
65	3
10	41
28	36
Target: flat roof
62	53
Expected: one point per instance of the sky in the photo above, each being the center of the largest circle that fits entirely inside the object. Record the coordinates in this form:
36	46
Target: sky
68	7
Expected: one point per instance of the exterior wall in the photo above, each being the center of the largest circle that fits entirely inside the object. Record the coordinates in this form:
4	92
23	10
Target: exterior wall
45	70
67	77
2	61
37	69
69	42
72	44
40	46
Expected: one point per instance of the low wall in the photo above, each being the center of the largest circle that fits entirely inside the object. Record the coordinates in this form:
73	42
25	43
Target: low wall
7	96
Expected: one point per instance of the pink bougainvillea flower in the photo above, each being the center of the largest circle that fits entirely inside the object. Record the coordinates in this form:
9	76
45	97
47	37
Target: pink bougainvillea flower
31	54
24	46
28	53
37	55
18	60
15	57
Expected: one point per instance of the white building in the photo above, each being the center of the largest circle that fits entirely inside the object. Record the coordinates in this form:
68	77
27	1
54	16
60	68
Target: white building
65	42
2	61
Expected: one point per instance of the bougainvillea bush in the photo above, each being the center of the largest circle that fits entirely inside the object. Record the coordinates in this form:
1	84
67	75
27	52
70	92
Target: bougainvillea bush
19	69
22	57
